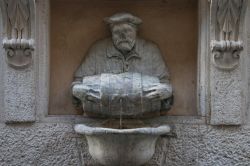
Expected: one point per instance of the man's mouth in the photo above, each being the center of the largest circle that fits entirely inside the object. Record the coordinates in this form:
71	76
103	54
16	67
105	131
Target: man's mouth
124	44
121	42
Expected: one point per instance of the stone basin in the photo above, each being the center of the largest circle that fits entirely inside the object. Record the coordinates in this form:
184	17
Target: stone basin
122	147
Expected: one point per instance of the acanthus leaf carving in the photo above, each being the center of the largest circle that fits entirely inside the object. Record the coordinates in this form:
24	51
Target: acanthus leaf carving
226	45
18	42
228	16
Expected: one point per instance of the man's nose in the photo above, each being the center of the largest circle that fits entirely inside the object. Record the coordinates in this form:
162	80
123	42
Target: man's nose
123	35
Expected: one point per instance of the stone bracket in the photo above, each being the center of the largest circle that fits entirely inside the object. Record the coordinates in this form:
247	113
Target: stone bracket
18	42
19	71
18	52
226	54
226	33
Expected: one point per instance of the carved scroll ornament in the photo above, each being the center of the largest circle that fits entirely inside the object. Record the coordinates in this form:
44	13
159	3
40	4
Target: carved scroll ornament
18	42
226	54
226	45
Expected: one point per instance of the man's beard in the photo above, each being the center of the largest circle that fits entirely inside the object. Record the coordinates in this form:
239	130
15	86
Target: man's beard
124	45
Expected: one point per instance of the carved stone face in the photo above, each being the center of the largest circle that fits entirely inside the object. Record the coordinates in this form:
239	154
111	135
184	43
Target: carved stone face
123	36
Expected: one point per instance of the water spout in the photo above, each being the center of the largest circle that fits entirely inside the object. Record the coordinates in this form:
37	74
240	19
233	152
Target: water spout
121	110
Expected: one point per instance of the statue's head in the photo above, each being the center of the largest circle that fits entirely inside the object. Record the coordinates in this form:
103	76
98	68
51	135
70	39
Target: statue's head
123	27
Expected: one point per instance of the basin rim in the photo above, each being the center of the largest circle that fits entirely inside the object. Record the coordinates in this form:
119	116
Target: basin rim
154	131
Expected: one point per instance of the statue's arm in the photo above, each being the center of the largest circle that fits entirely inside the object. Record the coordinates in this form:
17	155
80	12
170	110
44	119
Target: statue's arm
162	91
159	67
86	68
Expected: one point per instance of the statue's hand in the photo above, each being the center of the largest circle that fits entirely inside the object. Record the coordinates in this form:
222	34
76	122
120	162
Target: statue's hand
93	95
158	91
86	93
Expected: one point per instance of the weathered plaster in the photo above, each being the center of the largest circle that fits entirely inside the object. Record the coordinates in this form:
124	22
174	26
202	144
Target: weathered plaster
19	98
226	97
38	144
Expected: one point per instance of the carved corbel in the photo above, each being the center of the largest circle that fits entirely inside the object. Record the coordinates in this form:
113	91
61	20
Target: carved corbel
18	39
18	21
226	21
226	79
226	53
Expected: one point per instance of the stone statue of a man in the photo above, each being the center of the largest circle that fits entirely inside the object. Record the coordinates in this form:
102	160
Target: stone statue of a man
124	73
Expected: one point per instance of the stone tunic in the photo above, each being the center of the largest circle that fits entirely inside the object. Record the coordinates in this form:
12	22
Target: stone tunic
103	57
145	58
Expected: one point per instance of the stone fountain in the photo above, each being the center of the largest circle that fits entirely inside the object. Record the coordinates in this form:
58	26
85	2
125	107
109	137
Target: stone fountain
122	79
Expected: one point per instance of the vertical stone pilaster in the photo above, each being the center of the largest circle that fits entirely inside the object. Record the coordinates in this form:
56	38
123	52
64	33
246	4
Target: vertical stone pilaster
19	70
226	30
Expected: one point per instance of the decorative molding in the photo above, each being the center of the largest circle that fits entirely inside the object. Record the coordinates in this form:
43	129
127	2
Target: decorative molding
226	18
18	52
226	54
226	35
18	21
19	39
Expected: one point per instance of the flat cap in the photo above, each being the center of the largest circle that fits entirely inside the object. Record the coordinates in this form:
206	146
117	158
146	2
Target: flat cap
123	17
